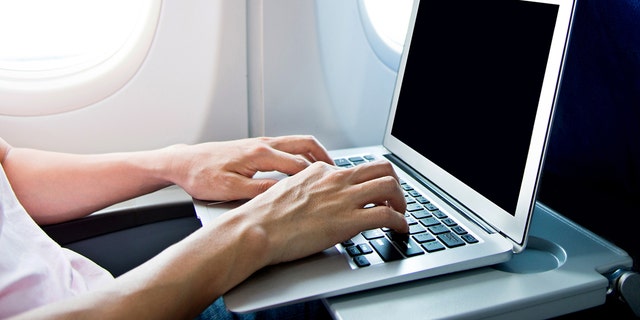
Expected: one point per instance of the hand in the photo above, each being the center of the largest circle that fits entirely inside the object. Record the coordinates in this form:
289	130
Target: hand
224	170
324	205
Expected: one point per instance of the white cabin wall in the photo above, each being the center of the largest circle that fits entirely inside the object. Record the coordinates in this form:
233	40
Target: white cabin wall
318	73
191	88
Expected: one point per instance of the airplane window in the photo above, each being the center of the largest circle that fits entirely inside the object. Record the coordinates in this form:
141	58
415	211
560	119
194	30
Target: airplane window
386	24
51	49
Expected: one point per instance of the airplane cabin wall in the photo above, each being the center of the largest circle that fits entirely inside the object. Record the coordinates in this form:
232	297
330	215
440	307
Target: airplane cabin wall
319	73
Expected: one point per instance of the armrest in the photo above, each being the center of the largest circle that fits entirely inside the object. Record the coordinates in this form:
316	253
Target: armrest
109	222
121	240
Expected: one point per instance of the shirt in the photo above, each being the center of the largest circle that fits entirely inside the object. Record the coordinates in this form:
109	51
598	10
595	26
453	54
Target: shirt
34	269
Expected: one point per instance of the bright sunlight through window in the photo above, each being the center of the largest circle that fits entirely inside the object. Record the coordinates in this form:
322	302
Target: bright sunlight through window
62	55
390	20
38	35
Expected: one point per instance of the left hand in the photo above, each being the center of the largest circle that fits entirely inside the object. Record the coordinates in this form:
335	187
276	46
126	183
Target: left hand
225	170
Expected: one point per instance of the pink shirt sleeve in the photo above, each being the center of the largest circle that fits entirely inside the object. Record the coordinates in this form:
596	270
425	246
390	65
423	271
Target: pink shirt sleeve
34	269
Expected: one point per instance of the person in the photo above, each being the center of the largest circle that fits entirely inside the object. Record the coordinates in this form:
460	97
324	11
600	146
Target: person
317	206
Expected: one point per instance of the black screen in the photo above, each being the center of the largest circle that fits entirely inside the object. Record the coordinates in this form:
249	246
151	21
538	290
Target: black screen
471	88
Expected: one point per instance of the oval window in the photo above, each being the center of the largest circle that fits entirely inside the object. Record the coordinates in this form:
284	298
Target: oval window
62	55
385	23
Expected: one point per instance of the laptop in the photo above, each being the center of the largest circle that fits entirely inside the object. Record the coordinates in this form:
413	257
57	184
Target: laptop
466	133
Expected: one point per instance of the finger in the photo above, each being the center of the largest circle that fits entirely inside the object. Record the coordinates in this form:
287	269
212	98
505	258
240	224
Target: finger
248	188
306	146
373	170
276	160
383	191
381	216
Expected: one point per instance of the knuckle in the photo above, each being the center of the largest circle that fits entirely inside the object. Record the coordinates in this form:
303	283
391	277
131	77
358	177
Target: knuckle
259	150
389	181
330	172
318	169
263	139
262	186
264	142
318	166
385	165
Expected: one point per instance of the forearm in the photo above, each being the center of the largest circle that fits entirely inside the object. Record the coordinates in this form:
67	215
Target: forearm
55	187
178	283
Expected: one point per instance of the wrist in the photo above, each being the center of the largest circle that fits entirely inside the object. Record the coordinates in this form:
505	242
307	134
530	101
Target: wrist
252	240
235	246
166	165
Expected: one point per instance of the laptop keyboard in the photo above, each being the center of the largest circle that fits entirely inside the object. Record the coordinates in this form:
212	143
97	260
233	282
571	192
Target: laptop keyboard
430	229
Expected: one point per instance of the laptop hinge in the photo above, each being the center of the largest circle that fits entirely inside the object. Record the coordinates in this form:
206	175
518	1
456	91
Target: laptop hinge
451	201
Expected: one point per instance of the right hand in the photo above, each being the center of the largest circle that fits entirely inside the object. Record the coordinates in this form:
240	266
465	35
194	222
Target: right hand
324	205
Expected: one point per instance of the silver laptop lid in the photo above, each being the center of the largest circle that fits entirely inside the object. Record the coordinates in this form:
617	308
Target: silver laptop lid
474	100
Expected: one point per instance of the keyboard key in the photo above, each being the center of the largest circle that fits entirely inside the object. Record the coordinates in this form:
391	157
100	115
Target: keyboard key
347	243
414	207
365	248
449	222
469	238
341	162
396	236
459	230
353	251
432	246
372	234
439	214
423	237
385	249
416	228
414	193
450	240
430	206
409	248
408	199
369	157
406	187
361	261
421	214
430	221
422	200
438	229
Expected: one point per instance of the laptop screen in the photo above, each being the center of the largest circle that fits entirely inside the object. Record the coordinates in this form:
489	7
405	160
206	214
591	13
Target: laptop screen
471	90
474	98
